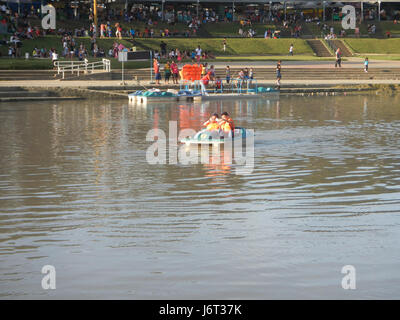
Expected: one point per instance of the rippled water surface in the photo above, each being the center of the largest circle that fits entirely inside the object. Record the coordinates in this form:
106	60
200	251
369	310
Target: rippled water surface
77	193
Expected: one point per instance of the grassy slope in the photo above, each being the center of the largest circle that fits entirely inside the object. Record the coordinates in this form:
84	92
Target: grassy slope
274	58
55	42
390	26
22	64
234	46
45	64
222	29
377	46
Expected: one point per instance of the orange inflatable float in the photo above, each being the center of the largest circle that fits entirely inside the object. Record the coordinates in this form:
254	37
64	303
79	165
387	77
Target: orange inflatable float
191	72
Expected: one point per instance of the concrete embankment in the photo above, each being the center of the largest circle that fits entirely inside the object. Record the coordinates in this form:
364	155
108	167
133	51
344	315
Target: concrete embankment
21	93
51	90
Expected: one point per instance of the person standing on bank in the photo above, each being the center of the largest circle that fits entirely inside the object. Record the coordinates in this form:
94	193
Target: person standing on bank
228	74
156	66
291	50
338	62
366	62
175	72
167	72
278	75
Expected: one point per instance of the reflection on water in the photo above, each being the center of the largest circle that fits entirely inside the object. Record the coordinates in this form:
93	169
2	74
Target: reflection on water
76	192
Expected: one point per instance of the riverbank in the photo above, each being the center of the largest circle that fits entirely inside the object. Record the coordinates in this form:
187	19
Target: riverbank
299	77
52	90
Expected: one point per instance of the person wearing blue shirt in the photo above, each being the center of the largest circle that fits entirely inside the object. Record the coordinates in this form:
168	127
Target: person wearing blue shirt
366	64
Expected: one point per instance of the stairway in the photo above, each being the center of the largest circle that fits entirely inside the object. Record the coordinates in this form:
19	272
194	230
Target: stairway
319	48
343	48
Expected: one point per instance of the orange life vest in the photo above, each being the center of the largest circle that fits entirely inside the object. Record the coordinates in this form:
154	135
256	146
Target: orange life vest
227	125
230	120
211	125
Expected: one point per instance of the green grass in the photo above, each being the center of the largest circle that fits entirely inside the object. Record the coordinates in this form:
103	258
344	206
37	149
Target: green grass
235	47
389	57
45	64
389	26
379	46
222	29
244	46
273	58
22	64
49	42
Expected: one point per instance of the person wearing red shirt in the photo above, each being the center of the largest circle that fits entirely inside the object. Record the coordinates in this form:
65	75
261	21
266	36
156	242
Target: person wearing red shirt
203	82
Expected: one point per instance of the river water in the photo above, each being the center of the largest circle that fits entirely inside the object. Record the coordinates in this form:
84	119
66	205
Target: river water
77	193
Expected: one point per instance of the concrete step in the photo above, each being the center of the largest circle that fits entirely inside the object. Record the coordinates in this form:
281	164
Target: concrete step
14	89
343	48
7	75
16	99
22	93
319	48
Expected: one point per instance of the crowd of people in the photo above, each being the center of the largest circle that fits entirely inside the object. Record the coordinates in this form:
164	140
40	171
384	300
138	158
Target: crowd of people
195	55
208	75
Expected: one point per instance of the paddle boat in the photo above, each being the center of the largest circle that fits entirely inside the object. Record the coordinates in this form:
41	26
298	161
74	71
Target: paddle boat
217	137
158	95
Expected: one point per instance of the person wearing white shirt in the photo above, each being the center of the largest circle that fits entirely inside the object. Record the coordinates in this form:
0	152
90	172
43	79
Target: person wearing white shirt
54	56
198	51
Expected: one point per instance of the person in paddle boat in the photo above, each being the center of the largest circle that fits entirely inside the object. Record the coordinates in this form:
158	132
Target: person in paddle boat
212	129
212	124
216	130
226	124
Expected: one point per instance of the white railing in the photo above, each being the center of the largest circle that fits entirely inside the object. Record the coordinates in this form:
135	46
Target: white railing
81	66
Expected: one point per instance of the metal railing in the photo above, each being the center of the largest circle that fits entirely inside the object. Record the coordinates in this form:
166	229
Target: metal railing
234	86
81	66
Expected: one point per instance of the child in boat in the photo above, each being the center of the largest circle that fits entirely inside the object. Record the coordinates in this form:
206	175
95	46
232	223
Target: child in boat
212	123
226	123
